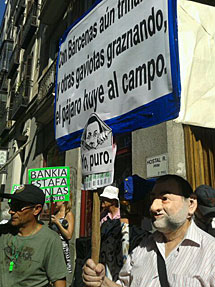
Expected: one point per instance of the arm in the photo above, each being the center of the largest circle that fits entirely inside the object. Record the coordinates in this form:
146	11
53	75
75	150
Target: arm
94	275
60	283
67	233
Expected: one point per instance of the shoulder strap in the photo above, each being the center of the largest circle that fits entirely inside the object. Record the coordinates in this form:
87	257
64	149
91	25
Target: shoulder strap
162	270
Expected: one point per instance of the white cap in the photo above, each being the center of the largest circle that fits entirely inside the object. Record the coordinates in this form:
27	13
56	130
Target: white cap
110	192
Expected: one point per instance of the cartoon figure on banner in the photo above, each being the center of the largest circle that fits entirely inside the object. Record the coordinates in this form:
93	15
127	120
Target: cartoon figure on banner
95	133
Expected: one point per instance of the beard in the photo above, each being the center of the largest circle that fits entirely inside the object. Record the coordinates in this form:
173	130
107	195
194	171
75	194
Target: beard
172	222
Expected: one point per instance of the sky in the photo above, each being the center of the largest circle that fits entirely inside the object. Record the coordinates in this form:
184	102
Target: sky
2	7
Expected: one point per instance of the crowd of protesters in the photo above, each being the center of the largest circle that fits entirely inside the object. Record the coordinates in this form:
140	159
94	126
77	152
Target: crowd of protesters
177	251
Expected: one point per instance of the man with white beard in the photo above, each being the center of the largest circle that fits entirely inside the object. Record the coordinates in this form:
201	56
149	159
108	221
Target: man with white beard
187	253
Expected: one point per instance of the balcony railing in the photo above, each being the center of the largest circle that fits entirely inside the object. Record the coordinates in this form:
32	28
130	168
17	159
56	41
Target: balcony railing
47	82
14	61
52	11
13	6
30	25
20	8
3	98
20	99
5	54
5	124
2	104
3	81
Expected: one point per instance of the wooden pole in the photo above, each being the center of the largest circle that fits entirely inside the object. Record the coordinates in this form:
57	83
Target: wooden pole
51	208
96	237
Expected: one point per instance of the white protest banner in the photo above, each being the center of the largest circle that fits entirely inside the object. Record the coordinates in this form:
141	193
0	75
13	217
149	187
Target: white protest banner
97	154
53	181
121	62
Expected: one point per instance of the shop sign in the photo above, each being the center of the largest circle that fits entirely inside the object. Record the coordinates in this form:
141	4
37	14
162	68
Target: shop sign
157	165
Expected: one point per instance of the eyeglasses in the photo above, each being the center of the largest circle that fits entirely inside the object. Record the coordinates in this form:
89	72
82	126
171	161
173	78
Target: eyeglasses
19	207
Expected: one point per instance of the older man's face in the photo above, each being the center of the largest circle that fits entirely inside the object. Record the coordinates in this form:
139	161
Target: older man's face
169	209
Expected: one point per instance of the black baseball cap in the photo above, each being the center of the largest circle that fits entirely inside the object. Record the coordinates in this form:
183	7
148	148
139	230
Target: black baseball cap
26	193
206	199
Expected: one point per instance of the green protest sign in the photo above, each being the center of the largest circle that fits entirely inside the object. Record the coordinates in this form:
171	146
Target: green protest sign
53	181
14	188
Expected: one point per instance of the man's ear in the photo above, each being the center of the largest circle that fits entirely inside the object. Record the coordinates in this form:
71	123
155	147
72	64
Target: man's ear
37	209
192	205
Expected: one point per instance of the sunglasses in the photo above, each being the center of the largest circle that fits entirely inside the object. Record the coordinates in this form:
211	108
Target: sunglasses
19	207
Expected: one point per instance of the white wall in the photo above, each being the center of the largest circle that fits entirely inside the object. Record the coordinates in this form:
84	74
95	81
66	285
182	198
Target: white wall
167	138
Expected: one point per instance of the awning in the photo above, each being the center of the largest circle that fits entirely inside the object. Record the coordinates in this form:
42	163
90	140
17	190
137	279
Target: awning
197	63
